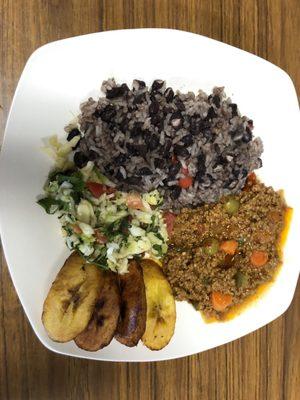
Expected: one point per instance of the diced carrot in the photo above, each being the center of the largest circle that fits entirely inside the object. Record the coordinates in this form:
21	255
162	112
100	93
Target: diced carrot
76	229
259	258
169	219
134	201
186	182
229	246
220	300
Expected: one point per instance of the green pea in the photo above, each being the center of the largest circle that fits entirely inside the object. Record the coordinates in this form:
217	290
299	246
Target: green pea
211	246
232	206
241	279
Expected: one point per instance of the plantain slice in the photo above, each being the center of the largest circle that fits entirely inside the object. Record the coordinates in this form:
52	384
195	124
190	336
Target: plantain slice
70	302
161	308
132	321
104	320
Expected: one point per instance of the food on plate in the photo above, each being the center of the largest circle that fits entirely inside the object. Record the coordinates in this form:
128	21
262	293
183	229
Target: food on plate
156	195
132	321
217	259
192	148
103	323
71	299
161	309
105	226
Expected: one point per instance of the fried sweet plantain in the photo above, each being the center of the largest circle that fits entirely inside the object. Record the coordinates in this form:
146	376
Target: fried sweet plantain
103	323
70	302
132	321
161	309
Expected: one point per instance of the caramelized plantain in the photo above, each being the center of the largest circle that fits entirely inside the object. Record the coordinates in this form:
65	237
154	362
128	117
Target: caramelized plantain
132	321
102	326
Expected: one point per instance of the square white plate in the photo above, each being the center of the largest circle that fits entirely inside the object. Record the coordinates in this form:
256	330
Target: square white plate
59	76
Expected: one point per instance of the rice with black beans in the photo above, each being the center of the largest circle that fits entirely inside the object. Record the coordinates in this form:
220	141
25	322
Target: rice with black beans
144	139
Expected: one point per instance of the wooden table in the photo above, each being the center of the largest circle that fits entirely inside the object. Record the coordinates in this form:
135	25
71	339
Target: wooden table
263	365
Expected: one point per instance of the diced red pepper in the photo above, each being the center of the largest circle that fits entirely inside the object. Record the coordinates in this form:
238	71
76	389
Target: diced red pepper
185	171
186	182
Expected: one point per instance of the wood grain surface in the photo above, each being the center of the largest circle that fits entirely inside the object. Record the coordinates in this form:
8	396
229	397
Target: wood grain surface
263	365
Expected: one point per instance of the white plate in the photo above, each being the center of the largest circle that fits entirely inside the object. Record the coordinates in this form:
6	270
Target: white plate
60	75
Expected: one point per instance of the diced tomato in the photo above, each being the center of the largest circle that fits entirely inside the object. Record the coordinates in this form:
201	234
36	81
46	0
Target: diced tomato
186	182
96	188
100	237
185	171
76	229
169	219
134	201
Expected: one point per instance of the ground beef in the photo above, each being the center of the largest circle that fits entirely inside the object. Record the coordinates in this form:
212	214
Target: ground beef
257	225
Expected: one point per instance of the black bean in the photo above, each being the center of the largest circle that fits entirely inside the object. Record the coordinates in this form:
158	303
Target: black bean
93	155
247	136
119	176
120	159
167	110
166	149
176	120
125	88
131	149
174	169
199	177
157	119
169	94
179	104
133	180
80	159
153	142
216	100
233	107
175	193
211	113
145	171
209	98
154	107
97	113
141	149
140	98
259	163
204	125
187	140
220	160
159	163
181	151
201	163
237	134
156	85
123	126
140	84
137	129
108	113
208	135
109	169
244	173
74	132
117	91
